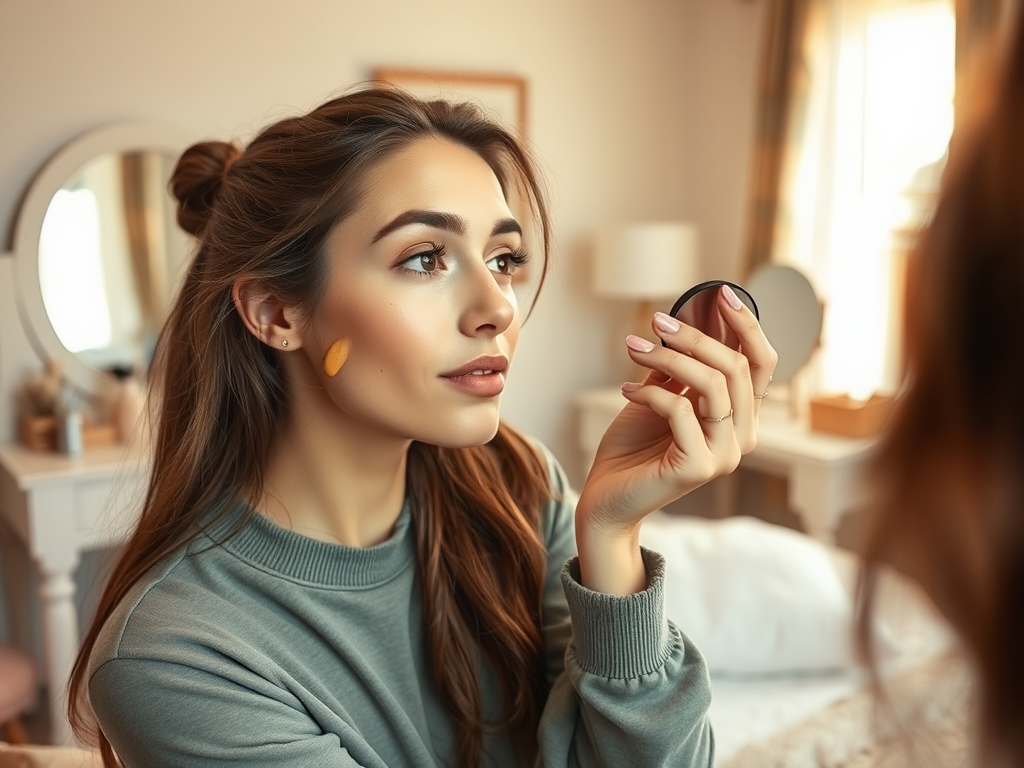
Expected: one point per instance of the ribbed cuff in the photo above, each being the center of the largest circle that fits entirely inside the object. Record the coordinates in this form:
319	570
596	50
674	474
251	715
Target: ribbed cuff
619	637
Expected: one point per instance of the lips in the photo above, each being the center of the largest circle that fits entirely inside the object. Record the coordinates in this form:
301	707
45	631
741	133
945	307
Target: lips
482	366
482	378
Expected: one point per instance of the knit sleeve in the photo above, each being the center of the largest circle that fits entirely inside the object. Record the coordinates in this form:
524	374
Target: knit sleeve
631	688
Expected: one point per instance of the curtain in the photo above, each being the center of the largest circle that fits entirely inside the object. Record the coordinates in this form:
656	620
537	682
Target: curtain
978	27
781	88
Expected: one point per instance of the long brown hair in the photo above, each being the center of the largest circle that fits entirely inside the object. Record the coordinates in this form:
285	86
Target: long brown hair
950	470
266	212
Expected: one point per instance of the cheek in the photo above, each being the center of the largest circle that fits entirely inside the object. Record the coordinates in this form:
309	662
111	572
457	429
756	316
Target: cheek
386	339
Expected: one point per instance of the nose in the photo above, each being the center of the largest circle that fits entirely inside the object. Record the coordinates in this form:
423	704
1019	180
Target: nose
488	307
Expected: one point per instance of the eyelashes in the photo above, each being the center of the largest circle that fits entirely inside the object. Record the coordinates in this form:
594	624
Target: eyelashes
507	263
519	256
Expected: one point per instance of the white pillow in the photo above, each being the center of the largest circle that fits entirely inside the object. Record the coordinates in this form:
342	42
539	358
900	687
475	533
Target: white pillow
756	598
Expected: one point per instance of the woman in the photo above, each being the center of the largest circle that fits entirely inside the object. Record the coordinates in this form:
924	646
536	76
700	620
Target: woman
344	558
951	467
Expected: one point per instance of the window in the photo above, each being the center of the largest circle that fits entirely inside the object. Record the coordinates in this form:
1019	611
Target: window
873	131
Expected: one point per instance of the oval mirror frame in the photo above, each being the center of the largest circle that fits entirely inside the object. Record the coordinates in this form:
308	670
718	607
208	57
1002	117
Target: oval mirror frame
116	137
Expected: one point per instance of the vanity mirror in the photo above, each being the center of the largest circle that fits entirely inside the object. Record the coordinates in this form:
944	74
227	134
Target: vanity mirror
98	253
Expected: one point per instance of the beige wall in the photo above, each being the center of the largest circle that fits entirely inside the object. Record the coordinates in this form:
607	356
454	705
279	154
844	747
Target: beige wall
638	109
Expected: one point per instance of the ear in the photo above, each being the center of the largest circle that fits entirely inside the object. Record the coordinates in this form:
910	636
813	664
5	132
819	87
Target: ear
270	321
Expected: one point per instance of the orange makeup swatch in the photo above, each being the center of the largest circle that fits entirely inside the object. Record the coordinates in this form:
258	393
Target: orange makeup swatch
336	356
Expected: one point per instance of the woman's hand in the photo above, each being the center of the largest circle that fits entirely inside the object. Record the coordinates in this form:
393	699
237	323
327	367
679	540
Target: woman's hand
691	420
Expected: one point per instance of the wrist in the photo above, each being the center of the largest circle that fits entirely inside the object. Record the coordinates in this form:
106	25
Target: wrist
609	556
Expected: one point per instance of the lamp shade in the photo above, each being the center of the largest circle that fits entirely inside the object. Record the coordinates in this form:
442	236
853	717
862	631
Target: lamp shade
645	261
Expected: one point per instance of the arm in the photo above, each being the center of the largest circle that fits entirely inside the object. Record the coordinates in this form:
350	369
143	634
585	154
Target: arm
627	687
635	690
159	714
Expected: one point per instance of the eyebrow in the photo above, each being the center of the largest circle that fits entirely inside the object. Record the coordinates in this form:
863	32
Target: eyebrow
441	220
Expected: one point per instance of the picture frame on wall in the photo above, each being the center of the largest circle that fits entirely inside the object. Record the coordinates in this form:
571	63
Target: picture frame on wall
504	96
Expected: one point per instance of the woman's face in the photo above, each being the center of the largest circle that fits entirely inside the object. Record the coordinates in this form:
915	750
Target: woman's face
420	284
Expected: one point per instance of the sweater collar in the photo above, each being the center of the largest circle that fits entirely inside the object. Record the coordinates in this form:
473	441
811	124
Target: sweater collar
300	558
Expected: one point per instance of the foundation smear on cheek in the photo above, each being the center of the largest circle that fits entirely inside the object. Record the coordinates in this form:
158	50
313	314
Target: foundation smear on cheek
336	356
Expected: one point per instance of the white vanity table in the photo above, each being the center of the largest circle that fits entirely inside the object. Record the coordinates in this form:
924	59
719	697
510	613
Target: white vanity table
824	471
57	508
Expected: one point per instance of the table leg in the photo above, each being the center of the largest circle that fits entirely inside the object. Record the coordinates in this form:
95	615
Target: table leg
60	642
55	547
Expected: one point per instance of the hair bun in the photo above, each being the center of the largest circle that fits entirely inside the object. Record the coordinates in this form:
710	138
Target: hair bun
197	180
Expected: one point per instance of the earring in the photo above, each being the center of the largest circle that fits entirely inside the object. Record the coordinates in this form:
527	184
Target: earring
284	342
335	357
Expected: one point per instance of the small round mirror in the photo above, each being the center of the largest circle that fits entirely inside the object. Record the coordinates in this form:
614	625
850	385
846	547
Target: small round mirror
698	308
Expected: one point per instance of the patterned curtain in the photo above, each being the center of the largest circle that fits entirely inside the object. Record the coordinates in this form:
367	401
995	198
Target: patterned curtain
782	84
978	26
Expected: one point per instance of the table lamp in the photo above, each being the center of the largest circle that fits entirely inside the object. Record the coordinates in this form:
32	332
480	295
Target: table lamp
645	263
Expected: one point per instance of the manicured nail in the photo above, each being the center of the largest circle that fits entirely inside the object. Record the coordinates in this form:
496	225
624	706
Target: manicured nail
638	345
731	297
665	322
630	386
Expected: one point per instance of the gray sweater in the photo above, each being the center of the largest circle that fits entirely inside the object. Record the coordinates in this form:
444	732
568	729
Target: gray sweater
275	649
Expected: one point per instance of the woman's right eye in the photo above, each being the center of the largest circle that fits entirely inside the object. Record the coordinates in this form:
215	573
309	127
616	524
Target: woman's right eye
425	262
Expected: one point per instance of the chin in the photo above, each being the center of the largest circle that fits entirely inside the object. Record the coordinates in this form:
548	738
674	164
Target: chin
466	433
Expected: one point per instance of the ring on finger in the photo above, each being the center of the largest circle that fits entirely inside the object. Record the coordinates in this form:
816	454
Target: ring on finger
762	397
719	419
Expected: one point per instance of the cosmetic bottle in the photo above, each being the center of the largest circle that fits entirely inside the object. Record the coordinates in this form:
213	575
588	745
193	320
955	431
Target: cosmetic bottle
70	421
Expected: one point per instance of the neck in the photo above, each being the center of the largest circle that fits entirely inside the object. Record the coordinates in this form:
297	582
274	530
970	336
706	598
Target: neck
330	477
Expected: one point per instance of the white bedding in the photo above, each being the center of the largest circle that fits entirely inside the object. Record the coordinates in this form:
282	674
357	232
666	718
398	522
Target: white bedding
748	712
772	612
745	712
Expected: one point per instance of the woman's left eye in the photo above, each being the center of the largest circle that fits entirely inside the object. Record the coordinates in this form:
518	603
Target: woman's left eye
508	263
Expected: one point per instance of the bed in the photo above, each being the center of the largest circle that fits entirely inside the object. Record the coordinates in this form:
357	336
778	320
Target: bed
772	609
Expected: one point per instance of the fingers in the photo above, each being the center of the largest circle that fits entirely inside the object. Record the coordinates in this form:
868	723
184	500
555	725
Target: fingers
702	461
708	381
746	372
754	344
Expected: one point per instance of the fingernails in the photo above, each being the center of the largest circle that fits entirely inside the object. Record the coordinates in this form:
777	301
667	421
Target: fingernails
665	322
731	297
637	344
630	386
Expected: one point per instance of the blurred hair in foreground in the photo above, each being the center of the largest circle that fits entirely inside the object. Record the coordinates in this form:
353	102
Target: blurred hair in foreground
950	470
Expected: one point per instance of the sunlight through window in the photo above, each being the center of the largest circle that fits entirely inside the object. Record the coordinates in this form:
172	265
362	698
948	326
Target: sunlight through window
877	123
904	86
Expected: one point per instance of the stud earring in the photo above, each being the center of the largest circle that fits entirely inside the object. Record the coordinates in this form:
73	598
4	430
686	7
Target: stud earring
284	342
